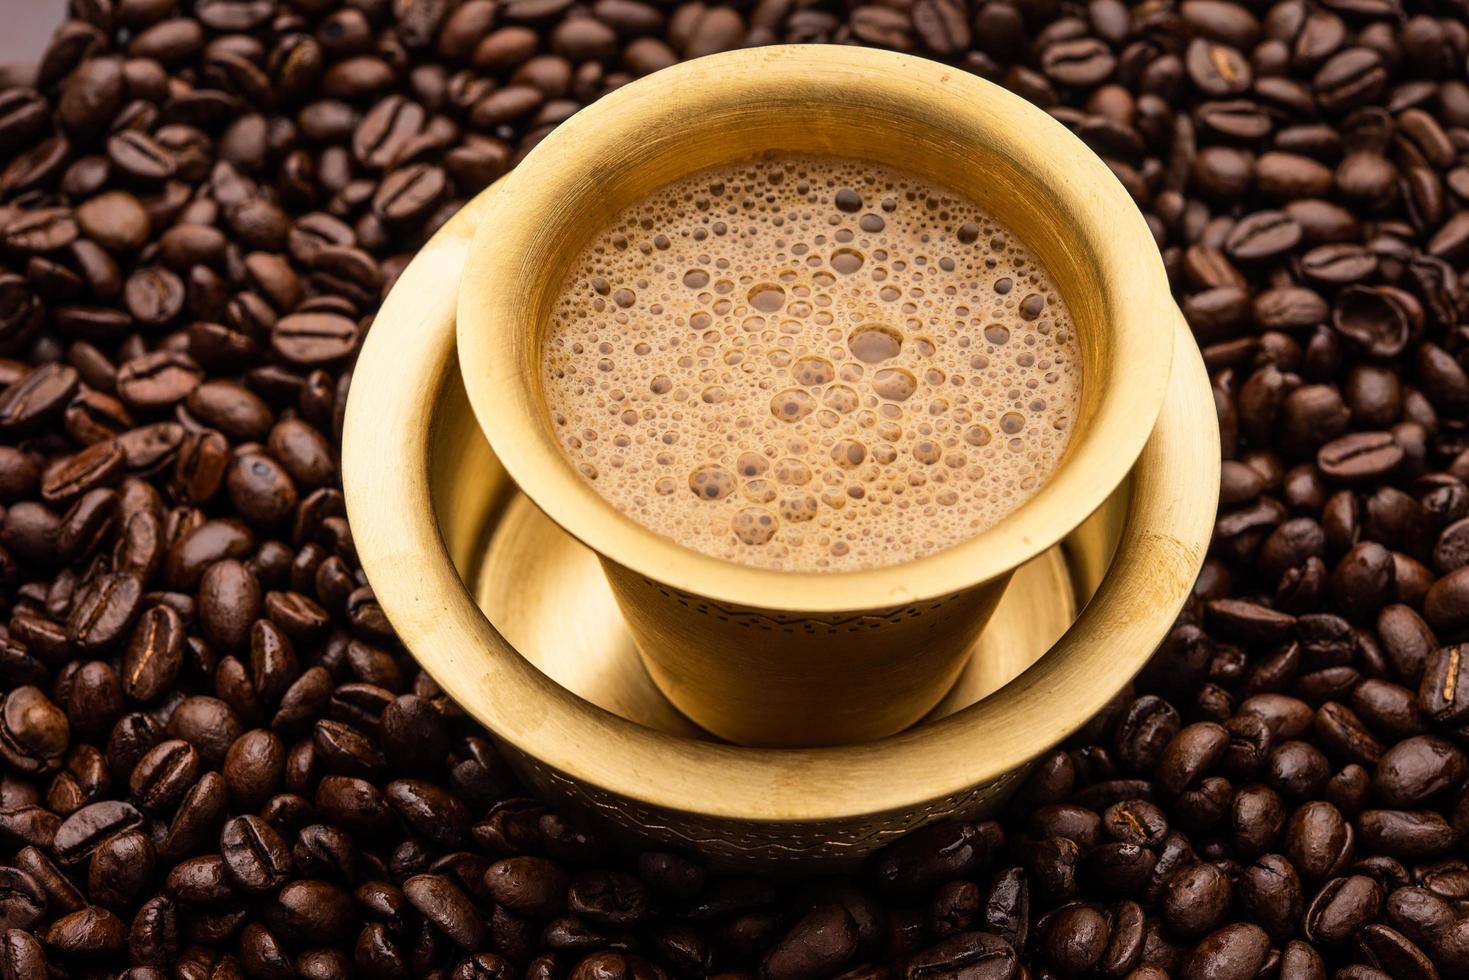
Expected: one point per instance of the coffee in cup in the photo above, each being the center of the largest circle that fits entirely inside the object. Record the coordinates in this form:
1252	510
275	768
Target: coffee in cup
811	363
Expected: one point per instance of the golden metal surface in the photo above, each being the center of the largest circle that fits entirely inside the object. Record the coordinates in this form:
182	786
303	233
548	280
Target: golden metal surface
422	486
532	573
784	658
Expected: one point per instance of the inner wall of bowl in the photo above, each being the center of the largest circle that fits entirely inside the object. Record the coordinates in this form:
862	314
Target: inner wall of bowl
984	170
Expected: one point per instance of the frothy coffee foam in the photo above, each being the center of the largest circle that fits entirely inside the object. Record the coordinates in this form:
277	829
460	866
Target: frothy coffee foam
811	363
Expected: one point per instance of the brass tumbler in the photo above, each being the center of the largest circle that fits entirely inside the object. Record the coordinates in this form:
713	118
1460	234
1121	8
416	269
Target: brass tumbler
777	658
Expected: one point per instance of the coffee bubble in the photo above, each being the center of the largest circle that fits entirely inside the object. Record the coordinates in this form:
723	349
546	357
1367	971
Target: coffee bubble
792	405
841	398
846	260
798	508
873	343
711	482
813	370
848	453
792	472
754	525
767	297
848	200
897	384
752	464
760	491
829	355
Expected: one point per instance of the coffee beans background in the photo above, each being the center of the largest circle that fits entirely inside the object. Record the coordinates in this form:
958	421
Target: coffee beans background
217	762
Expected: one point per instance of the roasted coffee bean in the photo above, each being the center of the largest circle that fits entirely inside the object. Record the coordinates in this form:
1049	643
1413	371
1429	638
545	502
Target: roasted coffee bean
1135	822
820	943
1444	692
1074	939
311	911
254	768
154	654
260	489
1235	951
609	898
938	852
429	810
977	954
1145	731
1359	456
90	933
1192	752
105	613
158	380
1318	840
407	193
1270	894
1406	833
200	881
121	870
1263	235
1380	320
312	339
82	832
139	156
346	750
1196	899
41	394
99	465
1418	769
21	956
34	732
353	803
444	905
303	452
207	724
163	775
1063	820
196	549
229	602
1341	907
22	901
41	230
326	852
530	886
255	857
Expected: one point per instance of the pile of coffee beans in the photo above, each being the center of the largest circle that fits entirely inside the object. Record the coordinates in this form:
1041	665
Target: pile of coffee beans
217	762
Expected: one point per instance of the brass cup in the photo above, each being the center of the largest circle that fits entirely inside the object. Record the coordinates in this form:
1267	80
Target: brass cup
796	659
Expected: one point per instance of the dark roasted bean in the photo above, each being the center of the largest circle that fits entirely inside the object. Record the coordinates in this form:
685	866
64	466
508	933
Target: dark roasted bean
154	654
163	775
1341	907
1196	899
87	828
1235	952
255	857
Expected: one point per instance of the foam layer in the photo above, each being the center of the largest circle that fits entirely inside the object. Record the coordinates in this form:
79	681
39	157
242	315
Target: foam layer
811	363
